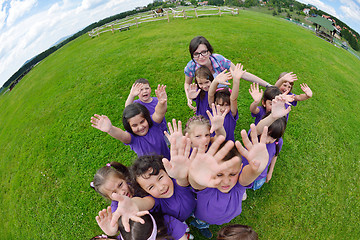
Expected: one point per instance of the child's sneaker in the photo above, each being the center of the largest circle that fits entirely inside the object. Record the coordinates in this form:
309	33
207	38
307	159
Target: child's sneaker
203	228
244	196
189	236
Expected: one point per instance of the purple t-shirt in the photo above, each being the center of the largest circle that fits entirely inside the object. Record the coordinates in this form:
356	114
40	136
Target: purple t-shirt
216	207
180	205
259	115
229	125
293	104
151	107
175	228
218	62
152	143
271	148
202	105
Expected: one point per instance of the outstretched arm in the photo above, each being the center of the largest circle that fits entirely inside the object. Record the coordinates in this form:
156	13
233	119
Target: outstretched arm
161	106
237	74
205	166
103	123
289	77
255	79
256	154
256	95
306	95
221	78
135	91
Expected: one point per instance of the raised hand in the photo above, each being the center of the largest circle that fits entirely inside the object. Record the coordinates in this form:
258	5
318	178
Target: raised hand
161	93
193	91
223	77
175	131
127	209
136	89
189	103
254	151
290	77
104	220
306	90
278	109
178	167
238	72
255	93
288	98
216	118
205	166
102	123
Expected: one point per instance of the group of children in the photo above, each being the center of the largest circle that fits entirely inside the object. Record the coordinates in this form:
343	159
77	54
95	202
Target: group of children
205	173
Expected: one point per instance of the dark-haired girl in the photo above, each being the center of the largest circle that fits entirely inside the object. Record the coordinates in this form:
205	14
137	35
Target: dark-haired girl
143	132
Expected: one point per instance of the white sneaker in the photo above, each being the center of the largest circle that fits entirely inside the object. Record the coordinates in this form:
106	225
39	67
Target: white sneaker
244	196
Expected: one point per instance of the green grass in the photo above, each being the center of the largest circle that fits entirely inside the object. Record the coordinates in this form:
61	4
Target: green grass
49	152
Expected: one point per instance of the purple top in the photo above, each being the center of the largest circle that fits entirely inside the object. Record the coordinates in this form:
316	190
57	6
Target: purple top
229	125
202	105
175	228
259	115
271	148
180	205
216	207
293	103
218	62
152	143
151	107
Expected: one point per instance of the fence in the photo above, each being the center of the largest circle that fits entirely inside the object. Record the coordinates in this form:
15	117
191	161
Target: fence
151	16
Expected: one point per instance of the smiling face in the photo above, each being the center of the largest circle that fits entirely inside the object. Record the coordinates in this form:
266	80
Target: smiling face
229	178
202	55
158	186
145	93
139	125
285	87
203	83
114	184
199	135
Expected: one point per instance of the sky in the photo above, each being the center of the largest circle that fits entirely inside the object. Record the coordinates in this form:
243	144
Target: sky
29	27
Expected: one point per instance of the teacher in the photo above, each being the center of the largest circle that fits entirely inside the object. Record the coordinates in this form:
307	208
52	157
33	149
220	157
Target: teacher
202	54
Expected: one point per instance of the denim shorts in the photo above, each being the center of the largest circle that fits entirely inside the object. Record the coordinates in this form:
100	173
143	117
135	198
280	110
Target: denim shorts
258	183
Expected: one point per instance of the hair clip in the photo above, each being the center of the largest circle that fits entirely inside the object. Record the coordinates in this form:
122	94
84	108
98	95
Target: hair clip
92	185
219	89
108	165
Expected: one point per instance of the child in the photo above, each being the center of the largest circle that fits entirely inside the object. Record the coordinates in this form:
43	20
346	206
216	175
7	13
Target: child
143	132
172	197
237	232
198	91
266	100
227	100
142	89
285	83
274	144
111	182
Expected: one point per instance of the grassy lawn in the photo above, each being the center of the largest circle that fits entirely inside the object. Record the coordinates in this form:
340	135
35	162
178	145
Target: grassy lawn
49	152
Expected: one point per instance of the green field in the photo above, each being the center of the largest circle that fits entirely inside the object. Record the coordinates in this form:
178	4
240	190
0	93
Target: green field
49	152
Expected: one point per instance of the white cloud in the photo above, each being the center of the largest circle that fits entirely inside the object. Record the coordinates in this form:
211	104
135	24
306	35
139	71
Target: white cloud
18	9
324	7
351	10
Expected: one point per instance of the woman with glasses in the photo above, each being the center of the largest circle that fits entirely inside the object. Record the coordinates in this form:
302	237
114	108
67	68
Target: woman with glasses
202	55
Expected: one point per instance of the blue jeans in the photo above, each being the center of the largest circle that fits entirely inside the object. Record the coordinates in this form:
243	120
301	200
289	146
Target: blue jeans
258	183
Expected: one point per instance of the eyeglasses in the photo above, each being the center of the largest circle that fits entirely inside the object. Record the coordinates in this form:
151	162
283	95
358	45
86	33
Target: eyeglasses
202	53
